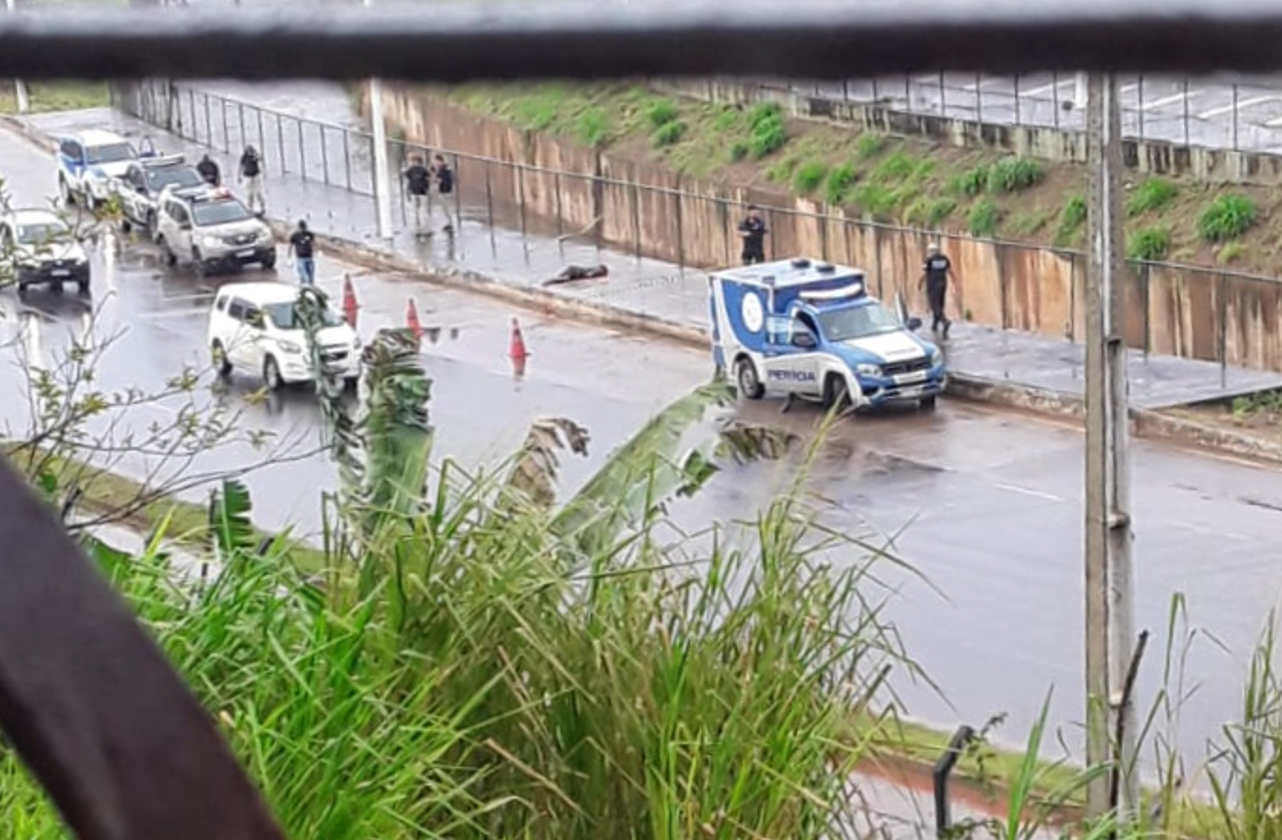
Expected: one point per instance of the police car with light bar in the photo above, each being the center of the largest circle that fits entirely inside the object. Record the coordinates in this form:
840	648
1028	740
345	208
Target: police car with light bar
139	189
800	328
212	229
87	164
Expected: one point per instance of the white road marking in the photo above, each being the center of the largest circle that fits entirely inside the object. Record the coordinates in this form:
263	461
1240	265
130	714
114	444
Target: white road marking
1210	532
1125	89
172	313
1245	103
1028	492
1047	88
1273	123
1169	100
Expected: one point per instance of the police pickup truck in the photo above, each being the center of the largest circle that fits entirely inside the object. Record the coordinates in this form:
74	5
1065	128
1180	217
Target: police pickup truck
87	164
801	328
140	187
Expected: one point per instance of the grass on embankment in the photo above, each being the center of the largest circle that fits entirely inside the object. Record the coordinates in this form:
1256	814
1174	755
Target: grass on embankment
906	181
45	97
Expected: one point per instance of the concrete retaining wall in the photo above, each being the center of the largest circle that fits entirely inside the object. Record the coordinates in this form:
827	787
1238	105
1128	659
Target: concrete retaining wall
638	206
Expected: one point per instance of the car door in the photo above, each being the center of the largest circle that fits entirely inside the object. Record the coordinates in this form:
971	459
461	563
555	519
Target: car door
71	160
252	332
236	335
136	194
781	369
182	230
804	339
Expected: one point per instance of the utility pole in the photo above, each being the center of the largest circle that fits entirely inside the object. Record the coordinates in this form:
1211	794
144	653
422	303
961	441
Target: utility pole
19	86
1110	633
382	176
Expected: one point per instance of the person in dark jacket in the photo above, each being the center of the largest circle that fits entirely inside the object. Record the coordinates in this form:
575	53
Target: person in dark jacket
753	232
444	176
418	182
251	175
208	170
936	272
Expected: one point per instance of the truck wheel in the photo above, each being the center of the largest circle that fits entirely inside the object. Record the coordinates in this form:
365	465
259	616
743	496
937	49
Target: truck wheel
926	404
171	259
271	374
222	365
746	375
64	192
836	394
197	263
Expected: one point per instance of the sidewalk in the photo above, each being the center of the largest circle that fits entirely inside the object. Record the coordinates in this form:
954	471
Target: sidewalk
657	290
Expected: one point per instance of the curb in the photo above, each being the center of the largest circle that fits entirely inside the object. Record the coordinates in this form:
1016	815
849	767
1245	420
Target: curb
963	387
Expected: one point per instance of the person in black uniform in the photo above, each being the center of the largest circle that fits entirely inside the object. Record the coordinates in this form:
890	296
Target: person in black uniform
418	180
936	272
753	231
444	176
208	170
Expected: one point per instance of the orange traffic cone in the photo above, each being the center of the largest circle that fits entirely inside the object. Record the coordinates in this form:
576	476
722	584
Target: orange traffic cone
516	350
350	306
411	320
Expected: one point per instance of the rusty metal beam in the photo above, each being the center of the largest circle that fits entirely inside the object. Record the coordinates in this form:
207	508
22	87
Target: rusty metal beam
92	706
457	42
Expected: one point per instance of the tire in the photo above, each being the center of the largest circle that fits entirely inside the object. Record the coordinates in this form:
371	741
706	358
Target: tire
926	404
151	226
351	383
56	287
198	264
83	287
222	365
271	374
126	226
746	375
837	393
22	289
269	262
64	192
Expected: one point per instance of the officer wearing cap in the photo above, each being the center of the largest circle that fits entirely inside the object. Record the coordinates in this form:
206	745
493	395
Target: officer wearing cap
936	272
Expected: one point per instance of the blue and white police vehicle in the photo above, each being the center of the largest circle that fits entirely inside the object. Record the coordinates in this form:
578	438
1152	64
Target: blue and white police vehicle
807	329
88	162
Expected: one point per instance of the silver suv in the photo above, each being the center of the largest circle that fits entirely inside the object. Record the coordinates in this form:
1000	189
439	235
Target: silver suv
212	230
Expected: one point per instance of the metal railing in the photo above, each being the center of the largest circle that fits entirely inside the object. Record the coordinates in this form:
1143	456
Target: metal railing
1208	113
1191	311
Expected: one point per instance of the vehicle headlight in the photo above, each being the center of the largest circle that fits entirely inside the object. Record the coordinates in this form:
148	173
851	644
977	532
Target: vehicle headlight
868	370
264	235
936	357
290	347
211	241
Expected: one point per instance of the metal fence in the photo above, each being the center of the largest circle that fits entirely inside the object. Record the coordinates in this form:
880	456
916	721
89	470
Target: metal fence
1174	309
1233	114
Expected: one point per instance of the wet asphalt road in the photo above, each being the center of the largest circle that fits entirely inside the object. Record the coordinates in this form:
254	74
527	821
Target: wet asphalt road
986	505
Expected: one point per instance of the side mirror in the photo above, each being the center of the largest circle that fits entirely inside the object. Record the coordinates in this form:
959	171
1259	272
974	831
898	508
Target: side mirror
914	323
141	190
184	225
804	340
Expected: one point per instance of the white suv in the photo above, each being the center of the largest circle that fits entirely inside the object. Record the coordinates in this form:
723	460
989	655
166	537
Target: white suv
256	327
212	230
87	164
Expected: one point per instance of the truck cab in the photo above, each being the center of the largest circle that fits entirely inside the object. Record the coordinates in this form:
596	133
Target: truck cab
808	329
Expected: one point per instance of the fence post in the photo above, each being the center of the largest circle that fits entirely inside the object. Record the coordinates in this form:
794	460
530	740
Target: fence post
244	133
1145	278
560	219
458	205
191	106
876	249
280	145
1001	280
1072	296
209	124
943	96
875	97
262	140
1017	122
943	767
1235	123
226	136
489	207
347	160
1222	315
979	97
1186	110
636	218
324	153
520	203
302	151
1055	100
677	198
1141	101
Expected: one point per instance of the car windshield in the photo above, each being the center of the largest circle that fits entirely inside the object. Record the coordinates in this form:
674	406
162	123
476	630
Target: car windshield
111	153
857	322
219	212
284	316
42	232
178	176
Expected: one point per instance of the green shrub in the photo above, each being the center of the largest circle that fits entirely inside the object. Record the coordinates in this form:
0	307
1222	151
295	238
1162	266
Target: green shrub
1014	174
875	200
1150	245
1230	252
726	120
1029	222
869	145
768	131
668	134
839	180
971	182
536	114
897	167
1071	219
781	172
661	113
983	219
593	127
1152	194
938	210
738	151
809	176
1228	217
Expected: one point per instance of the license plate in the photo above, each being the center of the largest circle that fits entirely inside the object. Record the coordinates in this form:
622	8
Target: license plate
60	272
243	254
912	392
910	378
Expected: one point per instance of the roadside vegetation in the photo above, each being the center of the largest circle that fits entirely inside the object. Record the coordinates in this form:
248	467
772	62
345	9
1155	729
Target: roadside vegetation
905	181
45	97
